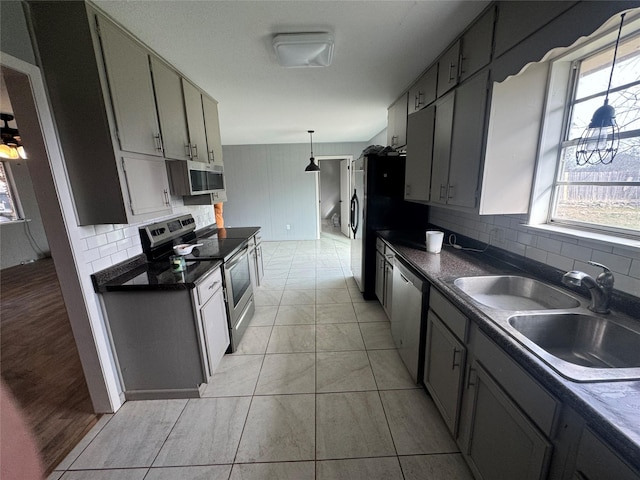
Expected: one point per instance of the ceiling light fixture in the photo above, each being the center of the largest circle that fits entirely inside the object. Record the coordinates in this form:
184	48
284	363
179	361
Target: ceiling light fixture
303	49
312	167
599	141
11	147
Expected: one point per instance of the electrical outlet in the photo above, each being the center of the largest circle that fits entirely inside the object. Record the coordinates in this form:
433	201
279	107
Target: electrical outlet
288	226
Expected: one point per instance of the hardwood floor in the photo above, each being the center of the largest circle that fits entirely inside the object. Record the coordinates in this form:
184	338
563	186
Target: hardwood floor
39	359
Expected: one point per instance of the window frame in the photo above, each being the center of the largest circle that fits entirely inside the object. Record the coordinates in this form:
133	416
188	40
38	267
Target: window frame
561	85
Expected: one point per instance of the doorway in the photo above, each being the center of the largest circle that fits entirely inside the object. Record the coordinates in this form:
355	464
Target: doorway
332	186
41	359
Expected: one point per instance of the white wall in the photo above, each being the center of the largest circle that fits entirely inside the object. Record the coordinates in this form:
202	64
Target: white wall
559	251
268	187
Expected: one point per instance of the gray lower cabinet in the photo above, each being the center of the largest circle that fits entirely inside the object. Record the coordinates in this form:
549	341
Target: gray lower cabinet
384	276
213	315
596	461
444	368
256	267
502	443
380	276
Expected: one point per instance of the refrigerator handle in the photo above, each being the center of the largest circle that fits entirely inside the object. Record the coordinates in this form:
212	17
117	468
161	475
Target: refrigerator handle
355	213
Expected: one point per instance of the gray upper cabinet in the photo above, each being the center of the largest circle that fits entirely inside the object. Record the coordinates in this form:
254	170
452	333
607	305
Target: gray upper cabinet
466	144
195	122
173	122
212	127
448	66
147	185
419	154
457	144
475	51
442	148
518	20
127	65
423	92
397	123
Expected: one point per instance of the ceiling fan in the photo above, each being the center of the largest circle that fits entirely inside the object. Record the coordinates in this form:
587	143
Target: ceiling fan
11	147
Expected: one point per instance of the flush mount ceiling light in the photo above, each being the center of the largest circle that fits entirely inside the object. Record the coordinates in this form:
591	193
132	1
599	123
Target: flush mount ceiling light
312	167
600	140
11	146
303	49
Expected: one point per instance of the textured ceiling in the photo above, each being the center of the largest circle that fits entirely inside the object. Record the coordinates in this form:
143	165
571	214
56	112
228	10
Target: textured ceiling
225	48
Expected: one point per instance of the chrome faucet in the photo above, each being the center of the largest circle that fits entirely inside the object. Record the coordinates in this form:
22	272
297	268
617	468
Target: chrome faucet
599	289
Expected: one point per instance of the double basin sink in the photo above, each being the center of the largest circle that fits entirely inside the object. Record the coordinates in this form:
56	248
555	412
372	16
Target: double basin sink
580	345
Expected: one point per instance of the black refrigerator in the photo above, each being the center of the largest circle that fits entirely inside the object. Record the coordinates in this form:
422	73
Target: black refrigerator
377	203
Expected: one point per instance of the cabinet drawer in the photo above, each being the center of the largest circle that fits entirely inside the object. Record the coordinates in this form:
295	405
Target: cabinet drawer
207	287
531	397
596	461
450	315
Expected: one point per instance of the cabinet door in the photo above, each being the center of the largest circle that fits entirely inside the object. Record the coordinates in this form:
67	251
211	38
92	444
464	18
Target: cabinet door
216	330
173	122
466	142
423	92
502	444
388	289
127	65
147	185
259	264
195	122
596	461
442	148
397	123
212	126
419	154
443	370
380	277
448	69
475	51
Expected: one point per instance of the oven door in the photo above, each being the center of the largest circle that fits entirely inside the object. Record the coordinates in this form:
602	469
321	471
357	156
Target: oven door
239	295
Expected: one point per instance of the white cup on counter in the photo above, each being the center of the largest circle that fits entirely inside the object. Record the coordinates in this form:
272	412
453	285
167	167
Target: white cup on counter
434	240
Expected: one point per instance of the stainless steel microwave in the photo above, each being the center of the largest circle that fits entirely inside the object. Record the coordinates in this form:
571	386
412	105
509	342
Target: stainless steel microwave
196	178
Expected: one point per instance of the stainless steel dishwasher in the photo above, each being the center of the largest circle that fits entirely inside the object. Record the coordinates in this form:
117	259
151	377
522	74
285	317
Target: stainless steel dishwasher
406	322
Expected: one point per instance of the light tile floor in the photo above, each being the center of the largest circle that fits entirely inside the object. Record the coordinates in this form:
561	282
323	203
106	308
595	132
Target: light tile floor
315	391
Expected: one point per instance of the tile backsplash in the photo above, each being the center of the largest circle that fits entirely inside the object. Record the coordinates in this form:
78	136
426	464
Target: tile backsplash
559	251
106	245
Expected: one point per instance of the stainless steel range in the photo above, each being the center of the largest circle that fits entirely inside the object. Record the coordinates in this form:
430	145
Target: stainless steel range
158	240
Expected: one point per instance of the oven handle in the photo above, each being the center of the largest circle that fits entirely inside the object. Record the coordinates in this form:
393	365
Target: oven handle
237	257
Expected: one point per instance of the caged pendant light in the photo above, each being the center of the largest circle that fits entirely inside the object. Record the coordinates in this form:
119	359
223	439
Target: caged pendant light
312	167
599	141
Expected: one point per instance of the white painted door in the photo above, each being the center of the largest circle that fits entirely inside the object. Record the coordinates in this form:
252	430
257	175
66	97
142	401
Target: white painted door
344	198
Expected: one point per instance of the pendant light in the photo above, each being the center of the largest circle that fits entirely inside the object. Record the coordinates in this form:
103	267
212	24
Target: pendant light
312	167
599	142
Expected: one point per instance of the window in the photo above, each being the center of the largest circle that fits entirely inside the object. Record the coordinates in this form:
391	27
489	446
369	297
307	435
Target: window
602	197
9	211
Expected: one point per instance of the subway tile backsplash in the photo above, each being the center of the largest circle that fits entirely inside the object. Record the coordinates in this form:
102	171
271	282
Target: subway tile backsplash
106	245
559	251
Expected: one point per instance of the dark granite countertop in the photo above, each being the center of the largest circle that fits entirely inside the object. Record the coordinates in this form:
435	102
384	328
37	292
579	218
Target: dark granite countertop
612	409
136	274
230	232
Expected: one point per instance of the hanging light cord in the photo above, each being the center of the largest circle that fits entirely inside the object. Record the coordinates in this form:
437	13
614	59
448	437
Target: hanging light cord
615	55
311	137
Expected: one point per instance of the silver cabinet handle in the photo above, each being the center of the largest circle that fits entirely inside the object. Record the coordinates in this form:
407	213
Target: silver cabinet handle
166	198
450	192
442	191
455	364
194	147
188	150
212	157
213	285
158	141
451	67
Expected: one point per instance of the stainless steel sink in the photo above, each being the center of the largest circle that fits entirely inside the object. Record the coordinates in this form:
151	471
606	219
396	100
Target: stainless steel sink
510	292
584	340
